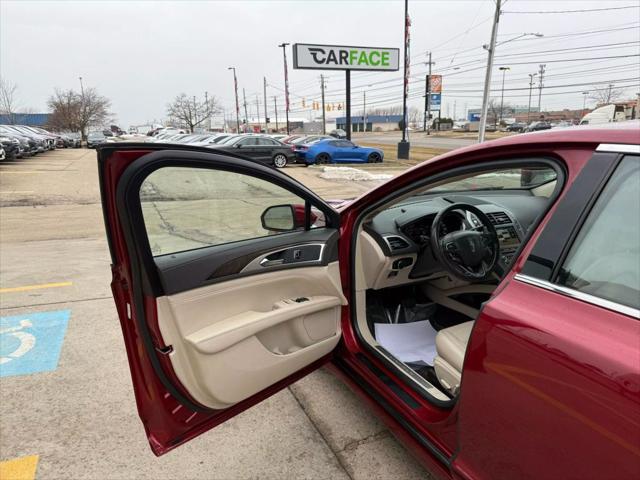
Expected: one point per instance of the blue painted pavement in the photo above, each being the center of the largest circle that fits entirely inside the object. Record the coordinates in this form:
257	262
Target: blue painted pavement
31	343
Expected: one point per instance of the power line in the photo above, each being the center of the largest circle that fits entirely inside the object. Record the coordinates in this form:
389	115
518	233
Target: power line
576	11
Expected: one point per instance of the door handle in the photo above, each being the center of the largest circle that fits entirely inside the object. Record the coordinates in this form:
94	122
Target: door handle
266	262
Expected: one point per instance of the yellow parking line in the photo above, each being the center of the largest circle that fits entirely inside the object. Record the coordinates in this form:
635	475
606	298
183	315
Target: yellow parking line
20	468
35	287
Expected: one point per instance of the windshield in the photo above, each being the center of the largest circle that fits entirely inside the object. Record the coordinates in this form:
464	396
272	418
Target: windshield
512	178
95	135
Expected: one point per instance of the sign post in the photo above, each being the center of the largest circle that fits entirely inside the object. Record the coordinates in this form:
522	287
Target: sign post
347	58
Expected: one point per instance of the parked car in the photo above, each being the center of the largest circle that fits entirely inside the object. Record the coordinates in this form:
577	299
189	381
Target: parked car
10	145
492	326
290	138
537	126
338	133
29	145
338	151
3	155
95	138
258	148
516	127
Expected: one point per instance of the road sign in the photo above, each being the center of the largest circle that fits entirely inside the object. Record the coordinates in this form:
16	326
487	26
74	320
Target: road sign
336	57
32	342
436	101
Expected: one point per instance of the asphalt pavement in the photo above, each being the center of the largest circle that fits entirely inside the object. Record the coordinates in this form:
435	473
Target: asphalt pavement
67	411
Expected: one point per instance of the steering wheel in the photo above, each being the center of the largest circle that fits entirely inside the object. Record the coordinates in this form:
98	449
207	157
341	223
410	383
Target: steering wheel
471	254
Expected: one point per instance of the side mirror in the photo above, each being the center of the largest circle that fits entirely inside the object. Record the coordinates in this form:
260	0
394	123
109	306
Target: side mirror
279	218
237	145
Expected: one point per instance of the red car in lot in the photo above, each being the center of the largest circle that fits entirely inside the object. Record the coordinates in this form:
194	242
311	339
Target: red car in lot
485	303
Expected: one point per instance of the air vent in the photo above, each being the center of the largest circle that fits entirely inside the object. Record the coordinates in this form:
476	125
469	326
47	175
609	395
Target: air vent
499	218
396	243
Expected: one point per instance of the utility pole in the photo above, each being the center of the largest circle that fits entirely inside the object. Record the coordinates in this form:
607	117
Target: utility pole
206	102
541	72
258	114
487	77
454	110
235	89
246	117
275	107
427	100
531	75
403	145
324	120
266	122
286	83
504	70
584	102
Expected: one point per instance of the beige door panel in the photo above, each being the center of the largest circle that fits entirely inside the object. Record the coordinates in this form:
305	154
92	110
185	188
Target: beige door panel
233	339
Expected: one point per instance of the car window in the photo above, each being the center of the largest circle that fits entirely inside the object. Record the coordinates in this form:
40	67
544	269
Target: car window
266	141
334	143
346	144
604	259
248	142
509	178
188	208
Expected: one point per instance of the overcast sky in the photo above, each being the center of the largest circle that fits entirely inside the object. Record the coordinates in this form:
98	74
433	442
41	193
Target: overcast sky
142	54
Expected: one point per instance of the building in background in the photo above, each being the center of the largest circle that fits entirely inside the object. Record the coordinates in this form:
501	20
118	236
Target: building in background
374	123
30	119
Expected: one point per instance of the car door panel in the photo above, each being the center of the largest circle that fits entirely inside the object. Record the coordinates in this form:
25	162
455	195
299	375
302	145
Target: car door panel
208	333
196	268
233	339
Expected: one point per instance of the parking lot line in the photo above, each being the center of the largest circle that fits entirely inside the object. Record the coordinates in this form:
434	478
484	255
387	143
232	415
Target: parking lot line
2	172
35	287
16	192
20	468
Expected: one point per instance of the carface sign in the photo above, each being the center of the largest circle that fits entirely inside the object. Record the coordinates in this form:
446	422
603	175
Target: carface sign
334	57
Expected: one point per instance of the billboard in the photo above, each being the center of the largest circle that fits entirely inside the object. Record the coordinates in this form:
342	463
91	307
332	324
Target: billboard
336	57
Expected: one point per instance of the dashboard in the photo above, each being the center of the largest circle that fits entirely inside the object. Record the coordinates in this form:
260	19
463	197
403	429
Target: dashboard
403	231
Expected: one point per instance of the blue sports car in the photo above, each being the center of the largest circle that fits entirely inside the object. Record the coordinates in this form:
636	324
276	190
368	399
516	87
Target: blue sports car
338	151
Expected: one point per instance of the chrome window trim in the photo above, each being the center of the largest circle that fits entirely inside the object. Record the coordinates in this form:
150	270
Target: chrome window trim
618	148
584	297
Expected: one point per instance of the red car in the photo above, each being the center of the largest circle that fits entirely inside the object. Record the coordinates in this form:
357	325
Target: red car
485	303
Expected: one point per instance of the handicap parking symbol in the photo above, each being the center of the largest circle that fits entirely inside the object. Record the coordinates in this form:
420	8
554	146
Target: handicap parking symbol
31	343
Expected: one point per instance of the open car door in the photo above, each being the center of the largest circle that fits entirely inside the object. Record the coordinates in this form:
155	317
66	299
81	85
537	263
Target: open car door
225	278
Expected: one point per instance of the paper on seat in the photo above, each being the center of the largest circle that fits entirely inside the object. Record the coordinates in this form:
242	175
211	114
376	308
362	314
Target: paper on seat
409	342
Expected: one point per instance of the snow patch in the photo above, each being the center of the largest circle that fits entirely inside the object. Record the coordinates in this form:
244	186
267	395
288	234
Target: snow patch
352	174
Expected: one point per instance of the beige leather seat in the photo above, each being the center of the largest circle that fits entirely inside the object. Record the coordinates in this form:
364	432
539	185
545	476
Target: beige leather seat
451	344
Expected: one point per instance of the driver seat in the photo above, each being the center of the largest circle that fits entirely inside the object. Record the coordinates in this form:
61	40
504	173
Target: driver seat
451	345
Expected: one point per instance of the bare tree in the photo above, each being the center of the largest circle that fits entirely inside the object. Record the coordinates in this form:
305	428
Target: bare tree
606	95
192	112
8	100
78	111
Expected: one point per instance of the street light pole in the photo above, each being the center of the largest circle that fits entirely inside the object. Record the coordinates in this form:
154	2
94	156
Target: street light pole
531	75
275	107
235	89
487	78
266	122
541	72
504	71
246	116
584	102
403	145
364	110
286	82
